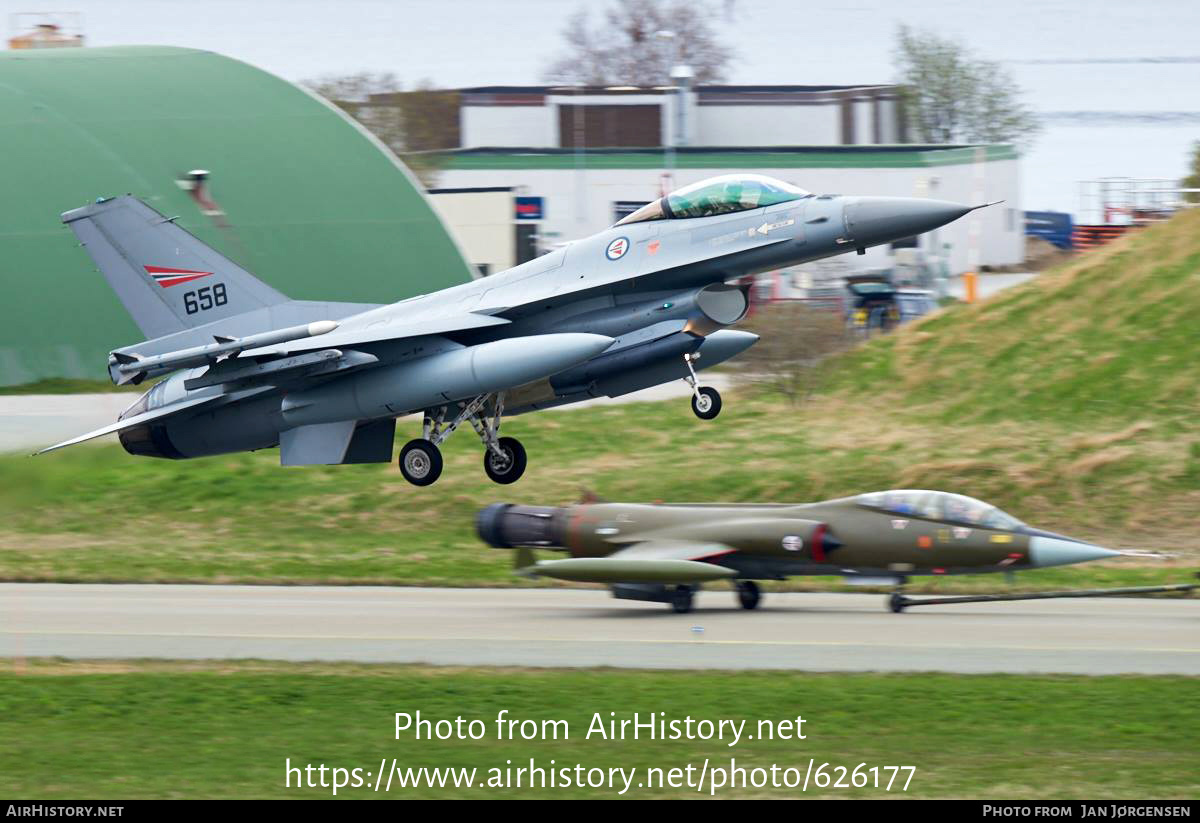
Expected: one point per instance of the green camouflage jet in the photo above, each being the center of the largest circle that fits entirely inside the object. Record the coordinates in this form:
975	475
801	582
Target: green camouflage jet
663	552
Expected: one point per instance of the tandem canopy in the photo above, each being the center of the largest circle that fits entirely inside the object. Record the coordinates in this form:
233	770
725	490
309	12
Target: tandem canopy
935	505
718	195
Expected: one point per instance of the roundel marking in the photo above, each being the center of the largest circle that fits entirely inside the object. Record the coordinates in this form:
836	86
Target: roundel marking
793	543
617	248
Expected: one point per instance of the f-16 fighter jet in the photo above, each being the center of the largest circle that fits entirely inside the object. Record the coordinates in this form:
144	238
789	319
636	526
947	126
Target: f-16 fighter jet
641	303
662	553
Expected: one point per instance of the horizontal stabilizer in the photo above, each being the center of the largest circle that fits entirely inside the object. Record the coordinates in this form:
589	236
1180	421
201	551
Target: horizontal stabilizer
136	420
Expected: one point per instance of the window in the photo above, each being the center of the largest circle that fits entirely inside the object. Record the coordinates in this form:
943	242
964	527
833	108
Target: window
718	195
651	211
934	505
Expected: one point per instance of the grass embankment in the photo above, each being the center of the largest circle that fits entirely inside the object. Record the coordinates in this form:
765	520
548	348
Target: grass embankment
94	513
225	730
1069	402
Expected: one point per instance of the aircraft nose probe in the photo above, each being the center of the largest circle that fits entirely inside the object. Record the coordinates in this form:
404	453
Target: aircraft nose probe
1054	551
871	221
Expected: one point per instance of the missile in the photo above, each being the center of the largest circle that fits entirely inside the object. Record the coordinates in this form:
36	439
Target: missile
617	570
440	379
132	368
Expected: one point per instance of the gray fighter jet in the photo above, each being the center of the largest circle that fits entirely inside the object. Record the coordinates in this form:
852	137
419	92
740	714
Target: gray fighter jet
639	304
663	553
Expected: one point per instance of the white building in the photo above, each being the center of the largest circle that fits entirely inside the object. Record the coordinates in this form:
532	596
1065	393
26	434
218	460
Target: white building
480	220
565	117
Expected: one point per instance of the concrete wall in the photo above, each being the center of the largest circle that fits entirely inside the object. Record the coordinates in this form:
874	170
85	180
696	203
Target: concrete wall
482	223
718	125
509	126
714	118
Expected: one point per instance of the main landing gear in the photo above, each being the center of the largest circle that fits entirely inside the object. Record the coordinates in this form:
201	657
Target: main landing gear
706	401
504	458
748	594
681	599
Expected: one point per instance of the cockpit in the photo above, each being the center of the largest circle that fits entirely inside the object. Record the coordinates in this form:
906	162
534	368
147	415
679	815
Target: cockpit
934	505
718	195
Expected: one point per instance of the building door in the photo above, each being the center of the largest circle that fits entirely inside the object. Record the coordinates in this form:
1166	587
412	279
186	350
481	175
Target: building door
527	242
633	126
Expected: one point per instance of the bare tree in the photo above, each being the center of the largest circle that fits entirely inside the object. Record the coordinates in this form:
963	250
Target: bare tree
413	124
795	343
353	88
955	97
636	43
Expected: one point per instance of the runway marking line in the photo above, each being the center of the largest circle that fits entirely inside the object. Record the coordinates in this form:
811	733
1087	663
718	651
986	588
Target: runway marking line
691	643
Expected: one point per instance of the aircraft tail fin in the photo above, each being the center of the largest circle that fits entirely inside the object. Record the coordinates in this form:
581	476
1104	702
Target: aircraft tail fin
165	277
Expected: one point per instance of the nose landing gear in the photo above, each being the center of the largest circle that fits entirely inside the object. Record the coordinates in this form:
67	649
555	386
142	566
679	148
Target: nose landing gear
706	401
748	594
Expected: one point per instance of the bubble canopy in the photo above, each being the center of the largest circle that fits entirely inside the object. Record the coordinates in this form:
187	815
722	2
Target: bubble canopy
935	505
718	195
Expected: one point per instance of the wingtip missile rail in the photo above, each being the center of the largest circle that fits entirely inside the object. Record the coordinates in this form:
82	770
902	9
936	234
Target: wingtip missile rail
128	367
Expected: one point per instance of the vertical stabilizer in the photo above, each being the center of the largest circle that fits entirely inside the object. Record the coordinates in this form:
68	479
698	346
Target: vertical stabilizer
165	277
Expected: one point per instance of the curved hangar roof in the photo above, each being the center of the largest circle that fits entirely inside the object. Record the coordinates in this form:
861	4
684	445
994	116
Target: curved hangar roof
308	201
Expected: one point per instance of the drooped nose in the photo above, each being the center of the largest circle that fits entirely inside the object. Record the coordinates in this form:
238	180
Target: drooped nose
1056	551
874	220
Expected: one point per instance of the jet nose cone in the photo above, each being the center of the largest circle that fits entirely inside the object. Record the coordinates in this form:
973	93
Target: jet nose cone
874	220
1055	551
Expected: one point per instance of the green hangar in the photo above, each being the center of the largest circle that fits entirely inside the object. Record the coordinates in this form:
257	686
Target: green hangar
272	176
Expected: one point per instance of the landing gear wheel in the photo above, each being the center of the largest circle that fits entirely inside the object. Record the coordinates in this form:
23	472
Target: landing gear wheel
896	602
507	469
706	403
420	462
681	599
748	594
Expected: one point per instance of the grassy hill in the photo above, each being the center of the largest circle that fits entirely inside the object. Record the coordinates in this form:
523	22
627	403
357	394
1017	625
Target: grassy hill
1112	335
1069	402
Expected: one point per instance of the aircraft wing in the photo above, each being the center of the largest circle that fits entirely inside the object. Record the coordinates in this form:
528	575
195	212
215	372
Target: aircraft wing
660	549
136	420
397	328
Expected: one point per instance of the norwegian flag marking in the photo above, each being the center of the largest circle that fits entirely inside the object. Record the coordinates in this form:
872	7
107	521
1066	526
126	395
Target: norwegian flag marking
166	277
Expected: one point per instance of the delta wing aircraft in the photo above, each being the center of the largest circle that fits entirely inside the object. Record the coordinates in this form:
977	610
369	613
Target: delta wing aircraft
636	305
662	553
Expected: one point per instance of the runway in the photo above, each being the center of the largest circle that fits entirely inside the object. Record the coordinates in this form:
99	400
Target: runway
544	627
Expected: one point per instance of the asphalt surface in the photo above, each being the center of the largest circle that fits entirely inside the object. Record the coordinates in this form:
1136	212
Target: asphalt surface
543	627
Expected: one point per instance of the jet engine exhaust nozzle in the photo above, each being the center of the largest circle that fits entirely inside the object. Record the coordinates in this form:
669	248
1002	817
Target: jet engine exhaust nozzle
506	526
